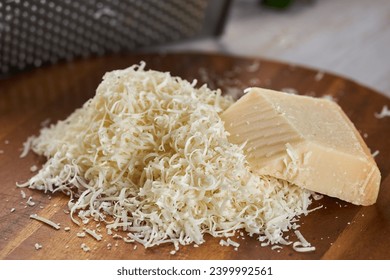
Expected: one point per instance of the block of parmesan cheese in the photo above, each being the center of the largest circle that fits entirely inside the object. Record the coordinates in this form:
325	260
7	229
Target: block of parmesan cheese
307	141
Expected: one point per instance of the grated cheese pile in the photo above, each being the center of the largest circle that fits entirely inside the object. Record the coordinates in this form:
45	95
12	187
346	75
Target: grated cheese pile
149	155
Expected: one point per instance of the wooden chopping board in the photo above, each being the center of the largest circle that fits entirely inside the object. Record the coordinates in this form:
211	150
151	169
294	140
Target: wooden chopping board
338	231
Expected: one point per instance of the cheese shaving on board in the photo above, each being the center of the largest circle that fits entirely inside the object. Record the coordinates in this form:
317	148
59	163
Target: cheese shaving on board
384	113
93	233
149	155
45	221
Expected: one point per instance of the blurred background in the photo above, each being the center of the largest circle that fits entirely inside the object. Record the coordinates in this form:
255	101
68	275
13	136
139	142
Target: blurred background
346	37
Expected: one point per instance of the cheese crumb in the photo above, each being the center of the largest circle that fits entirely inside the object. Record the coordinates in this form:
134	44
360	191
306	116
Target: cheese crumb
384	113
289	90
33	168
329	97
253	67
318	77
80	234
29	202
85	247
38	246
45	122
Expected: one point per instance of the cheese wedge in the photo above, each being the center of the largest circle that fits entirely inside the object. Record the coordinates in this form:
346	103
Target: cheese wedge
307	141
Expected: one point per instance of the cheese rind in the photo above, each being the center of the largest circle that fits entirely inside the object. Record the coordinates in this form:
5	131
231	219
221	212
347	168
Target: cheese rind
307	141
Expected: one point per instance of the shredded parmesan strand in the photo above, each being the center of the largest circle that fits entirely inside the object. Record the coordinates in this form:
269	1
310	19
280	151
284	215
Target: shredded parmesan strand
93	233
149	155
26	147
276	247
291	162
232	243
374	154
117	236
29	202
44	220
302	245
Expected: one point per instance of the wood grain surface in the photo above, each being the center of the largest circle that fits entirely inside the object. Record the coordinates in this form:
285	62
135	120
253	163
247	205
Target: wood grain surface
338	231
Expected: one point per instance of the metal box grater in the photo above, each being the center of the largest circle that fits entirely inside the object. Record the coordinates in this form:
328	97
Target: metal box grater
38	32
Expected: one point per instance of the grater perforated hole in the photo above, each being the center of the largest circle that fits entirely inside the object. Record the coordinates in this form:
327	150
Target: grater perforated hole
34	33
